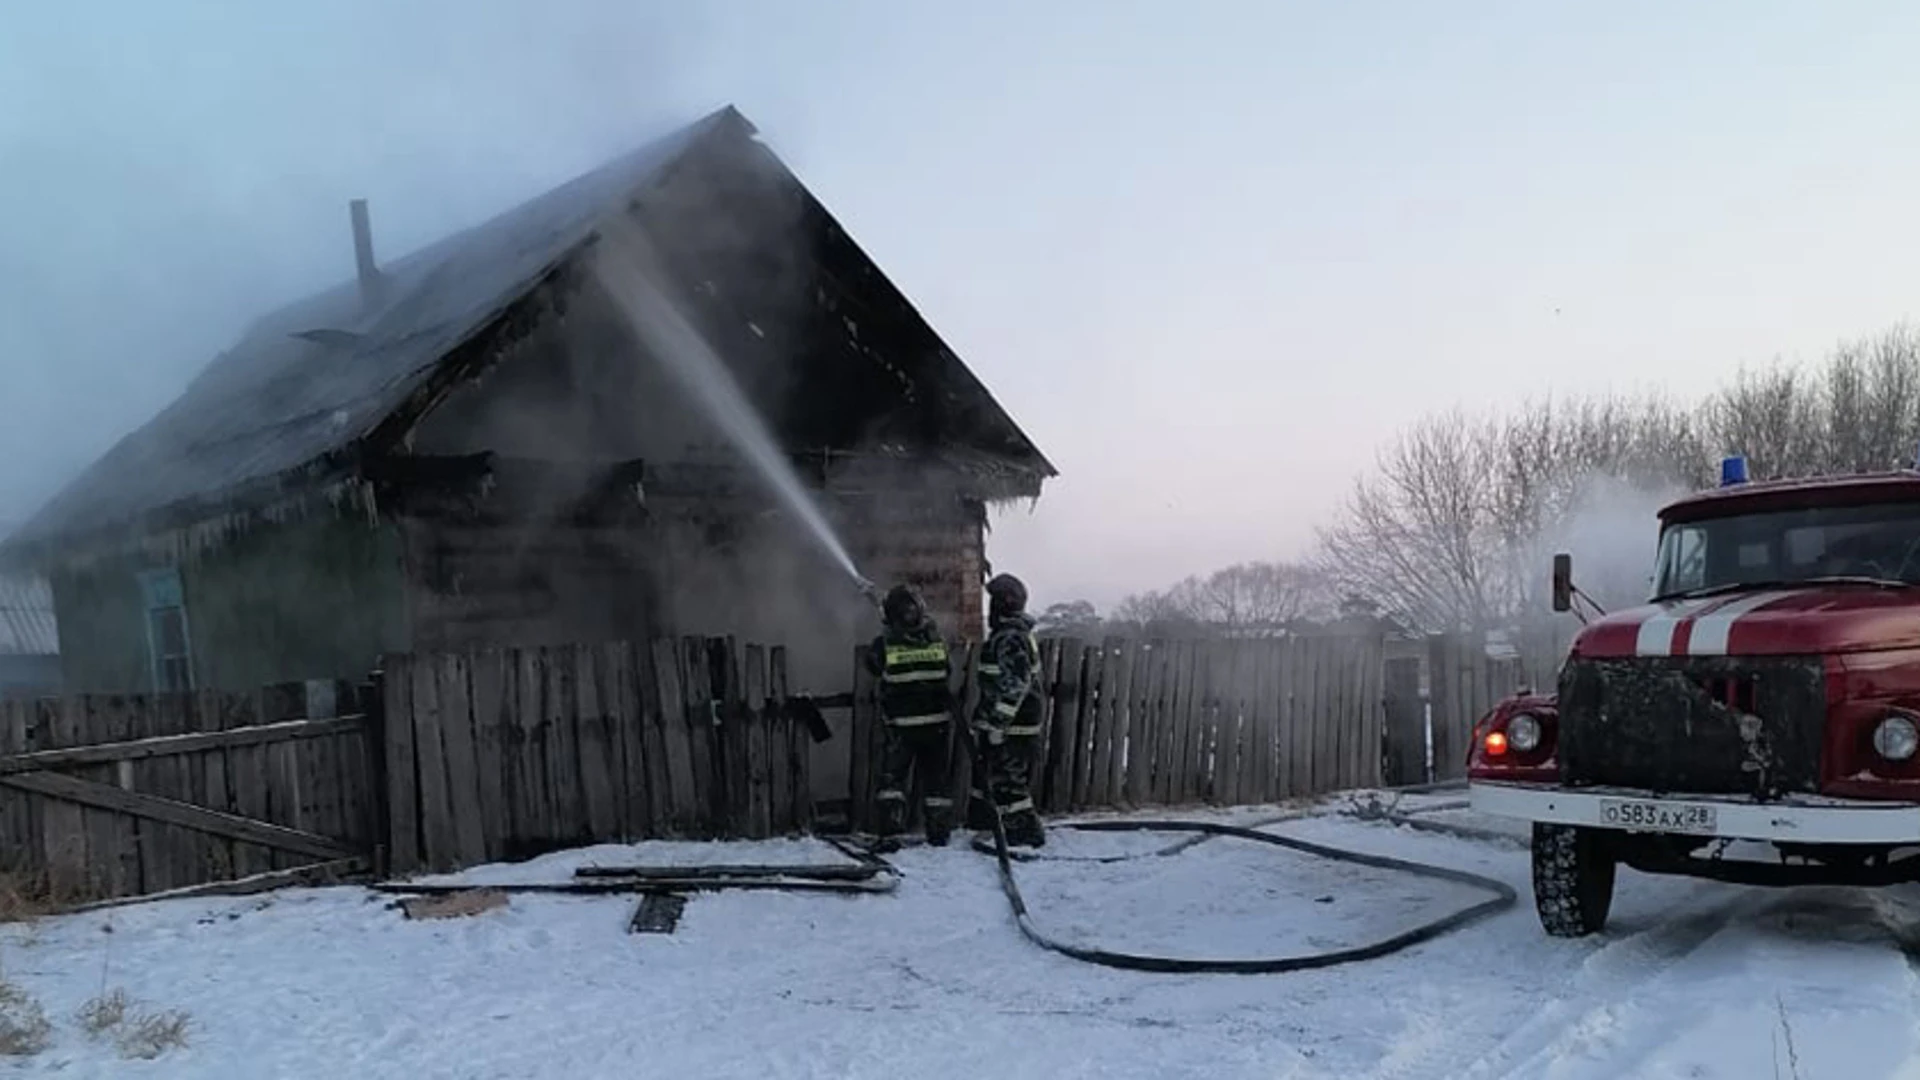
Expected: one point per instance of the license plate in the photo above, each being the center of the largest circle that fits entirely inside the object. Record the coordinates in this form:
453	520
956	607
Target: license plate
1651	816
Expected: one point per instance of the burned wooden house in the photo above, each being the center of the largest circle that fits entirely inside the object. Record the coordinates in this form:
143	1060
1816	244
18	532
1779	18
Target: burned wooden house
475	445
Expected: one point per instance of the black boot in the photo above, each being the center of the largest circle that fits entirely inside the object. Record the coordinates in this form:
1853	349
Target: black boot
893	821
939	821
1025	830
979	814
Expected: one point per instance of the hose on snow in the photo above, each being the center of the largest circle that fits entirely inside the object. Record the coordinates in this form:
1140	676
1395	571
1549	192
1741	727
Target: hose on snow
1502	897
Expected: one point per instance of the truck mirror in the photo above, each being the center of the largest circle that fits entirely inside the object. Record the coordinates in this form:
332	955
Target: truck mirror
1563	582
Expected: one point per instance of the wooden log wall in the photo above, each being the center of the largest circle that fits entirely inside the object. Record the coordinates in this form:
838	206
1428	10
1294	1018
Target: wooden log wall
1162	723
505	754
107	796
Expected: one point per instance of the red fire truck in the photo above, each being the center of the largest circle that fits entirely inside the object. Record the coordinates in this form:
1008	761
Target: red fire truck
1756	721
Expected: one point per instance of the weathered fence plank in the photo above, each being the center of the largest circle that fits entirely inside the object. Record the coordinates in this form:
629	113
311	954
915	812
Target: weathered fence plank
600	793
1087	724
965	684
652	742
627	730
124	856
683	804
403	815
798	775
490	687
753	681
1063	750
530	808
697	683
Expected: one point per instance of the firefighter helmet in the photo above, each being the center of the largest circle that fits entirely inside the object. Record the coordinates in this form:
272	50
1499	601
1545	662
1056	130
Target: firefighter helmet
903	607
1008	594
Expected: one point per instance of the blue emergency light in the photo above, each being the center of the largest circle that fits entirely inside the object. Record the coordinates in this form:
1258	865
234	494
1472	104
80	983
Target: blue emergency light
1733	470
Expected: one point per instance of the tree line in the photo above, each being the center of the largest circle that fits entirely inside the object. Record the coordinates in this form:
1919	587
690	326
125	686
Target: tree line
1454	526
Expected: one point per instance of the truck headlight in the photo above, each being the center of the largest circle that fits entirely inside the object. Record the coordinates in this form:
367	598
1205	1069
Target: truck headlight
1523	732
1896	738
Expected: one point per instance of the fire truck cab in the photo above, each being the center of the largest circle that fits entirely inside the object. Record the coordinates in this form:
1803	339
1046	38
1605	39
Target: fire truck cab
1756	721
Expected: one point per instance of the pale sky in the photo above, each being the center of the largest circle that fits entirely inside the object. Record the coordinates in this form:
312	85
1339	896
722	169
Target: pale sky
1209	254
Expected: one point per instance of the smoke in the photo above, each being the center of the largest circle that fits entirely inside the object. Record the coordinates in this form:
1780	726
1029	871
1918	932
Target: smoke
176	174
1610	529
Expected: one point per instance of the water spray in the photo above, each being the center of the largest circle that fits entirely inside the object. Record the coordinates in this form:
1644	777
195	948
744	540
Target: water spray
628	268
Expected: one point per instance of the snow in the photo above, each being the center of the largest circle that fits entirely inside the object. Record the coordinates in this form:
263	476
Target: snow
1691	980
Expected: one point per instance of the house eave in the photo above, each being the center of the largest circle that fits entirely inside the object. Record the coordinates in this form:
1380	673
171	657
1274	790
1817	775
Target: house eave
184	530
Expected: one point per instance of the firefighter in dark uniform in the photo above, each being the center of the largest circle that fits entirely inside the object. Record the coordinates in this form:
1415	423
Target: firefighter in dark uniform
910	659
1007	722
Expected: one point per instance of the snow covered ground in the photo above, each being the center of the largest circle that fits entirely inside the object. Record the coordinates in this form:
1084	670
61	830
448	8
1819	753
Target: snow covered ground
934	981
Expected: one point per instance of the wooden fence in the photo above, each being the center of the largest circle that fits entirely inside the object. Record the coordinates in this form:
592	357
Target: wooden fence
108	796
446	761
1464	683
504	754
1141	723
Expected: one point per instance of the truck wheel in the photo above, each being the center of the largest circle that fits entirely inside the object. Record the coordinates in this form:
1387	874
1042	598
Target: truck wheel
1572	879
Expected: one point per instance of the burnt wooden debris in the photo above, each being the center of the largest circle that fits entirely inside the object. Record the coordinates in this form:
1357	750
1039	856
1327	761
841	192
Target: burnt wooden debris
657	913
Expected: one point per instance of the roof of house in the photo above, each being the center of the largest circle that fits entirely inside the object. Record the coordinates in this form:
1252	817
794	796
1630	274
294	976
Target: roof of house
308	383
27	626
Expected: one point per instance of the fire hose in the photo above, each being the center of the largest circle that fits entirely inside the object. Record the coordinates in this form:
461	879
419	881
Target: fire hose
1503	896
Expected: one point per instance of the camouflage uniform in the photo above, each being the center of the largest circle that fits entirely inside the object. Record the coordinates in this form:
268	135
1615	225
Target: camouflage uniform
1008	720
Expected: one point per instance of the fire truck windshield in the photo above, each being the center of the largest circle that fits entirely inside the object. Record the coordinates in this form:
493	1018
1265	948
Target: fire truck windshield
1871	545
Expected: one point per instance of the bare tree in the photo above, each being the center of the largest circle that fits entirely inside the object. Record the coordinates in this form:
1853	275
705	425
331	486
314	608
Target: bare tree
1245	598
1163	613
1073	618
1870	397
1772	416
1252	597
1420	537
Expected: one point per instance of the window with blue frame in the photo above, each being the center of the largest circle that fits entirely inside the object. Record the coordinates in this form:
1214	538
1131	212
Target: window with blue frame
169	646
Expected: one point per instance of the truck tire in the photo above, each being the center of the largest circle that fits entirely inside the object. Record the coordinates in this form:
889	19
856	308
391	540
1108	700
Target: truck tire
1572	879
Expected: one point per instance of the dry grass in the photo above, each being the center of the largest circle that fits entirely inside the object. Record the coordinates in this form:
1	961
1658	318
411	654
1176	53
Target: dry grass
136	1033
151	1034
24	1027
25	898
103	1014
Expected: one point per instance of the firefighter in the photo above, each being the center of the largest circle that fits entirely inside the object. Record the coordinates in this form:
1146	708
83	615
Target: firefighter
1006	724
910	659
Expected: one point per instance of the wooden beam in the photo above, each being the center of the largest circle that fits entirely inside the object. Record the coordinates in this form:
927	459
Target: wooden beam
324	873
165	745
815	872
172	812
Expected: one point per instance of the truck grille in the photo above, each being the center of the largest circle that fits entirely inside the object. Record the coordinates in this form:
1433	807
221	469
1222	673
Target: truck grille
1675	724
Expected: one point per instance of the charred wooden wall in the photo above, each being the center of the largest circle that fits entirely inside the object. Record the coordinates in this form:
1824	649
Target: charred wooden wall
315	598
939	547
474	584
